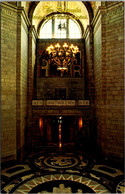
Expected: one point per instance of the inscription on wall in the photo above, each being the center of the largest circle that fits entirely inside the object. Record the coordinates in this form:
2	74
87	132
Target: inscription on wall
60	103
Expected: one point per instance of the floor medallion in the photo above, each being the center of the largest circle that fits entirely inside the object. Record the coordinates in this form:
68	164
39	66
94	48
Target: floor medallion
60	183
121	187
60	161
61	172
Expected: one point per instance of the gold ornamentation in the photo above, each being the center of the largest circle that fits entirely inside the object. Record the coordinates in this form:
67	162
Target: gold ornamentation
61	161
9	187
62	189
26	177
92	184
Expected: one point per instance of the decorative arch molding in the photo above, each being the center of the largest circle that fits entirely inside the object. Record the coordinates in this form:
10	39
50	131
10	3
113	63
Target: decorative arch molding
89	9
66	13
31	9
34	4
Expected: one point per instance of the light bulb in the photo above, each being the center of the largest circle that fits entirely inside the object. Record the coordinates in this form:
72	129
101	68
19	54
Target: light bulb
57	45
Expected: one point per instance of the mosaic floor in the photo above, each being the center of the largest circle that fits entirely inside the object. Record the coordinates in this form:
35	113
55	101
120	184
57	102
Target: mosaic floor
61	172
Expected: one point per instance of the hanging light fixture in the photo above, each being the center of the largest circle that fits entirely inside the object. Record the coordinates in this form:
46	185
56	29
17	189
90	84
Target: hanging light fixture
62	56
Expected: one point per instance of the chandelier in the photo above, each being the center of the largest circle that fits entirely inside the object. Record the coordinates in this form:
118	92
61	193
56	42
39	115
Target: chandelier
62	56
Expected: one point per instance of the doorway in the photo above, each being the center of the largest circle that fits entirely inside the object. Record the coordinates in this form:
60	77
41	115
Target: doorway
68	132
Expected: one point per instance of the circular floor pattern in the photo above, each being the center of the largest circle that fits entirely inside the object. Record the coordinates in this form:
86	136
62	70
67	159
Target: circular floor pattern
121	187
60	183
60	161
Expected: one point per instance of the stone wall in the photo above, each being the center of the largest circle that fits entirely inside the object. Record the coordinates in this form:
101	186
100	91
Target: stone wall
45	87
87	62
109	76
89	82
74	88
104	39
98	78
8	81
23	81
114	78
31	72
89	68
14	59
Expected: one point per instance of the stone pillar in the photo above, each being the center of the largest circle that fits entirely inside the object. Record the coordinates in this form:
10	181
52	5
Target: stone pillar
89	66
8	80
89	83
22	80
18	80
31	72
108	33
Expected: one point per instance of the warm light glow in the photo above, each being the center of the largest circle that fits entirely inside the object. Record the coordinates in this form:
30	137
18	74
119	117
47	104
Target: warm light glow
72	46
57	45
40	122
48	49
60	143
80	122
59	128
62	55
65	45
41	126
76	49
62	68
51	47
59	136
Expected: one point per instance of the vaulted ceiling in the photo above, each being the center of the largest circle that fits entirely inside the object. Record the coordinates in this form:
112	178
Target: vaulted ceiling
83	11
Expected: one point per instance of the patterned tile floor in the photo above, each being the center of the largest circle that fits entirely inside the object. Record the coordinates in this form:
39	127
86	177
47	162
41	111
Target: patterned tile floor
61	172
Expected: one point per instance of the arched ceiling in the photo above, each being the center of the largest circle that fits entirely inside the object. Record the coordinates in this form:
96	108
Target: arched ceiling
76	8
37	10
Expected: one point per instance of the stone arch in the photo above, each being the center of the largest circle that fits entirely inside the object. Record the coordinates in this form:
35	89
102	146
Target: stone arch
90	11
34	4
31	9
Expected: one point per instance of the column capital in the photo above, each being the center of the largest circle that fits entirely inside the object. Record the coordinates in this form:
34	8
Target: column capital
21	13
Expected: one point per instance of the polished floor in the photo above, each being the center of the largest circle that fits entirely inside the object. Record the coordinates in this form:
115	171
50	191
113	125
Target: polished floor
62	171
